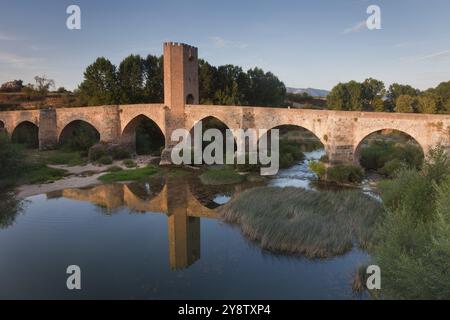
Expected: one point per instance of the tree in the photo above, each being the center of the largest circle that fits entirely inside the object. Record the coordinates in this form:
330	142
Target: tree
355	93
230	82
338	98
265	89
379	105
153	78
373	93
100	84
427	103
396	90
405	104
131	80
43	84
207	75
442	95
141	80
354	96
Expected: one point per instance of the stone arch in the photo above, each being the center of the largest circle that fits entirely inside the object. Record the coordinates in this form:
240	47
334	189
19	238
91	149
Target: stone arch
321	139
315	128
27	133
219	124
75	129
360	141
216	124
129	134
224	115
307	141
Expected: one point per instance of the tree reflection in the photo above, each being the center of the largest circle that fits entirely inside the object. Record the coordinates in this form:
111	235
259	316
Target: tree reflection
10	208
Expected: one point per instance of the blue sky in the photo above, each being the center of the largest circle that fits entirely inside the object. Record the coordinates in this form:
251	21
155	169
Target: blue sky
315	43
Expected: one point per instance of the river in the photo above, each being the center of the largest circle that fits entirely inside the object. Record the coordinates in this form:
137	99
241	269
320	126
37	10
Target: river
158	240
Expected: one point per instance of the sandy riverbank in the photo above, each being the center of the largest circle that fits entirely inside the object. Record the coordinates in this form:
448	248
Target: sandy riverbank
78	177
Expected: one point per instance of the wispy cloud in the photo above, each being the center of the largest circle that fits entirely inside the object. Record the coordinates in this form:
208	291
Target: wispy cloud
435	56
360	26
16	60
6	37
408	44
220	42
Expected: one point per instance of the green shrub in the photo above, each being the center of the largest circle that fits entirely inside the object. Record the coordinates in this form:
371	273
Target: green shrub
414	249
391	167
129	163
345	174
318	168
292	148
114	169
378	153
97	151
120	153
105	160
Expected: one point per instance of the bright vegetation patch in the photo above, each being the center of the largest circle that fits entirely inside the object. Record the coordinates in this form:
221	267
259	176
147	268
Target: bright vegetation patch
40	173
414	236
302	222
341	173
220	175
139	174
24	167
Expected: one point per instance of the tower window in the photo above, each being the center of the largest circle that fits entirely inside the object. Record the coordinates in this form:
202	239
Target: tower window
190	99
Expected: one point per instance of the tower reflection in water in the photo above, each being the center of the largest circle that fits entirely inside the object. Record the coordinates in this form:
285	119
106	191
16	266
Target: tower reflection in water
170	196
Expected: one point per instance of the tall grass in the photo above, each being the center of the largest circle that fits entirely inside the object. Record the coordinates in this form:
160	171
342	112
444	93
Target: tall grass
302	222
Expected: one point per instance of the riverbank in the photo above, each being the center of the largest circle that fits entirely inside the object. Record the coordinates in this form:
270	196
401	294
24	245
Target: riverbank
80	176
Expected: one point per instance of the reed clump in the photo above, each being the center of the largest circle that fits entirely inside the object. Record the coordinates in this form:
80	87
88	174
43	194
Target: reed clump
302	222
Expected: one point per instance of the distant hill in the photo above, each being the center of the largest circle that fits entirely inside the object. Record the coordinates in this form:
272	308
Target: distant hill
311	91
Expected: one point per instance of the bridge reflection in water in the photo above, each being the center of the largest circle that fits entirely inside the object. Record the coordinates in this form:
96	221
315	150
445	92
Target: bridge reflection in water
170	196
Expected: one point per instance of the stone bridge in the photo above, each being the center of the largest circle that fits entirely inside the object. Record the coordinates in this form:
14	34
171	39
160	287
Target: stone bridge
341	132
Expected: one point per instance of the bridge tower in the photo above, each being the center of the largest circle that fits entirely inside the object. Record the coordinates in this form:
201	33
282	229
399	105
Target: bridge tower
180	88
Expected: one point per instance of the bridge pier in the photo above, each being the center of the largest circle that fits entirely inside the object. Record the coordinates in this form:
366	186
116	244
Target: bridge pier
48	138
340	154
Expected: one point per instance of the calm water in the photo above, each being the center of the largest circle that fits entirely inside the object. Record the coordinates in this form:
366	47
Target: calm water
154	241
